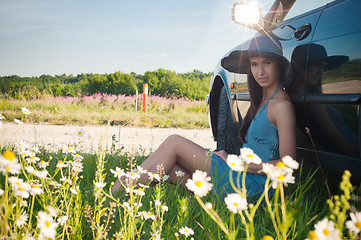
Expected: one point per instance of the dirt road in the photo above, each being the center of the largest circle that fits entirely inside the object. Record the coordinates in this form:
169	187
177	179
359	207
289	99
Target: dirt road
131	140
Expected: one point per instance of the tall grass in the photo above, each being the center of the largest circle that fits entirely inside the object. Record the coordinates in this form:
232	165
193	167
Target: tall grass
66	195
99	109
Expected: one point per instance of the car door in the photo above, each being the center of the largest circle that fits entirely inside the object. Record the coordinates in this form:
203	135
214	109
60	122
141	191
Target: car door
328	71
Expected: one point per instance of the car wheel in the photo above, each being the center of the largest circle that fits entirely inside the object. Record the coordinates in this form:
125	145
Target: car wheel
227	136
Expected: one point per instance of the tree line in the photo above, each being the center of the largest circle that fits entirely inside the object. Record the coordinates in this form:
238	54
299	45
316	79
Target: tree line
193	85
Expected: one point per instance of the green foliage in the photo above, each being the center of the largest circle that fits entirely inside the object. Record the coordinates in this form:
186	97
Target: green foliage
165	83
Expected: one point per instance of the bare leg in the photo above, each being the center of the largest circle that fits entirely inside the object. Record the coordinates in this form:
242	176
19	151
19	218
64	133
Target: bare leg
177	153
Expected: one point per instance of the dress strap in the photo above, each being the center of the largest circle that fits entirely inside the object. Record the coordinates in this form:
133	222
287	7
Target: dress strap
273	95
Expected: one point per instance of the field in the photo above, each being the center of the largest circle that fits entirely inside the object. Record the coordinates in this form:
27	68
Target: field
66	194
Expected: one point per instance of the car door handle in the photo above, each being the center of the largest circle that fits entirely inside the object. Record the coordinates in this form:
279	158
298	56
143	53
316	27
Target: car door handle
302	32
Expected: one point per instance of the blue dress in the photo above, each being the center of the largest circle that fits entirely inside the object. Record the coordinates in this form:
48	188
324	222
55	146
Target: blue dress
262	138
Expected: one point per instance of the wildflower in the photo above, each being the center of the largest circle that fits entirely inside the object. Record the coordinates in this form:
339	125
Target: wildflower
21	220
153	176
200	183
179	173
354	225
41	174
279	176
77	166
43	164
132	175
80	132
17	121
9	163
32	158
64	179
60	164
235	202
325	229
20	187
249	156
186	231
35	149
165	208
118	172
208	205
77	156
69	149
100	184
47	225
235	162
36	189
267	237
52	211
25	110
149	215
165	177
74	190
62	220
141	170
139	191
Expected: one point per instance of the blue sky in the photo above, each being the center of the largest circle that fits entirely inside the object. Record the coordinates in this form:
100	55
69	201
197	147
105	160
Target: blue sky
91	36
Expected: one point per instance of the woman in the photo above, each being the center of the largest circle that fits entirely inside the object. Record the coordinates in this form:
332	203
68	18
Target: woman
271	110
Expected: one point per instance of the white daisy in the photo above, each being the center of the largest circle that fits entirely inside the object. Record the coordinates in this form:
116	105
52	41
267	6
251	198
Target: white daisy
139	191
25	110
132	175
60	164
80	132
17	121
281	177
165	177
41	174
249	156
200	183
32	158
325	229
153	176
52	211
62	220
235	162
47	225
20	187
22	219
235	202
165	208
69	149
290	162
179	173
9	163
354	225
43	164
118	172
36	189
186	231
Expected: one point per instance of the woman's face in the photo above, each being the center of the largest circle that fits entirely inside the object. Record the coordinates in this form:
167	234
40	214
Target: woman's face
265	71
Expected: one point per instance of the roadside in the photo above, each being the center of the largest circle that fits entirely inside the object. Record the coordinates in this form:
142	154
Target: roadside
127	139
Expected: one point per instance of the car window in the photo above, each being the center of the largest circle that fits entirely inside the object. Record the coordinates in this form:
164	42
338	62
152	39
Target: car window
303	6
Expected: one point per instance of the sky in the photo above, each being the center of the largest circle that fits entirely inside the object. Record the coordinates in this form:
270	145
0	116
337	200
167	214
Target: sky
58	37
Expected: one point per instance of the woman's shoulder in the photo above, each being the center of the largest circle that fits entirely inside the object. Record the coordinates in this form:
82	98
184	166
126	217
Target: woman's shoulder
280	106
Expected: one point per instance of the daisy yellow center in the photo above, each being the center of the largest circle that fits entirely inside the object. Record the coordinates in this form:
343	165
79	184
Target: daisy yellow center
235	204
32	157
281	177
42	161
132	174
21	189
326	232
250	155
358	224
47	224
36	186
233	164
198	183
148	213
60	161
280	164
312	235
9	155
70	161
267	237
8	169
69	148
186	230
79	133
140	189
17	183
117	171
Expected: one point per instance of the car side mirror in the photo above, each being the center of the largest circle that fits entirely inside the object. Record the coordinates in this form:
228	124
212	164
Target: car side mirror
248	15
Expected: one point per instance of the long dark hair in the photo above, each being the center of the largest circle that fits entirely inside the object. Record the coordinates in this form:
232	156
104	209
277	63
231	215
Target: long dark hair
256	94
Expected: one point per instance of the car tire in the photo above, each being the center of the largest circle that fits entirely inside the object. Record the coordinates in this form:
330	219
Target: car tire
227	136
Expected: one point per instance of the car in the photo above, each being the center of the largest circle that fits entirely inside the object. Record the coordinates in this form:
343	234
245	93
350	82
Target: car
323	48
